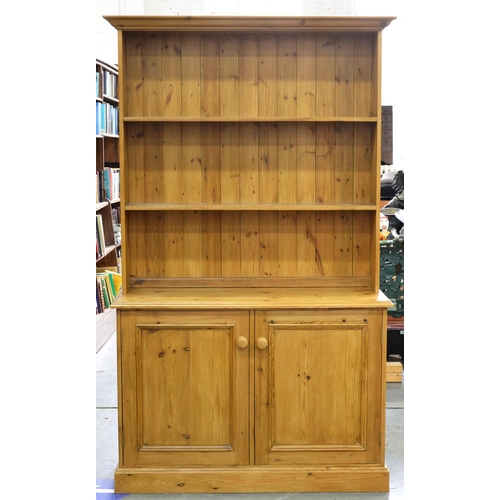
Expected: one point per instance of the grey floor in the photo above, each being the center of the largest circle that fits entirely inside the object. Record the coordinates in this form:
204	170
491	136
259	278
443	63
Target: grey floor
107	445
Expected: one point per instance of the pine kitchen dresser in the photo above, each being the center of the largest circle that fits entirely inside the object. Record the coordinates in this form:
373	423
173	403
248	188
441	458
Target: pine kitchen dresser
251	328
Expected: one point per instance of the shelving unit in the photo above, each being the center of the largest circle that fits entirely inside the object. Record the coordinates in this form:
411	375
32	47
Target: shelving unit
107	200
251	351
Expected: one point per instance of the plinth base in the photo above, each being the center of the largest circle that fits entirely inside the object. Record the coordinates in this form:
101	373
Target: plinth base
252	480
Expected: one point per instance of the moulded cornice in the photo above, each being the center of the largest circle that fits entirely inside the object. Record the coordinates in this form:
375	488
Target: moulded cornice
250	23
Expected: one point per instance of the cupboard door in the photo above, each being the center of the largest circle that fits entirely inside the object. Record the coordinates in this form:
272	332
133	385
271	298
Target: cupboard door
184	388
318	387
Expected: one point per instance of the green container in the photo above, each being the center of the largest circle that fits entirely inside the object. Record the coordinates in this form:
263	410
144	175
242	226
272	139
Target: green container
392	274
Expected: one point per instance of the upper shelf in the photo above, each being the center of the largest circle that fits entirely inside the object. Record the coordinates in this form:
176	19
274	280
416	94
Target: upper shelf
356	119
254	24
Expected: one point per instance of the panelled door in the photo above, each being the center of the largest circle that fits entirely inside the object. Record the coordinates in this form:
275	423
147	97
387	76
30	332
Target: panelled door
318	387
184	388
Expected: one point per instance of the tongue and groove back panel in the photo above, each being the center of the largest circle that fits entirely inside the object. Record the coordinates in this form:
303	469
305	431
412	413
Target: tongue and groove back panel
244	76
250	156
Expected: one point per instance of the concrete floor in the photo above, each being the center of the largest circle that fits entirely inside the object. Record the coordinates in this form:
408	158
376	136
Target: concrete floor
107	445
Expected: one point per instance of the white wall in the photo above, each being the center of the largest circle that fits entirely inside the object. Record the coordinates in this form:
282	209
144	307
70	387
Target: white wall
106	36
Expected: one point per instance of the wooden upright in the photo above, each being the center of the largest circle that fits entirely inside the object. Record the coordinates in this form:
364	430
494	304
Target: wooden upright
251	329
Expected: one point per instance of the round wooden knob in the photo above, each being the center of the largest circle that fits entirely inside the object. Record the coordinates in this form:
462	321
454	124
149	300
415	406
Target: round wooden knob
262	343
242	342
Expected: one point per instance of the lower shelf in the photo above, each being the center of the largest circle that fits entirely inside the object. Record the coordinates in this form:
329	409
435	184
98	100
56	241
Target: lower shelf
105	326
252	480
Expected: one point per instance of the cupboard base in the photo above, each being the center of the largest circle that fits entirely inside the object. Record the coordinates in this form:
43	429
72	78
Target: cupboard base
252	480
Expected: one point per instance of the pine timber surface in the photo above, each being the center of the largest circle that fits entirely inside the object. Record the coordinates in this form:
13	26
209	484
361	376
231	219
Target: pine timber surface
252	24
249	298
246	119
394	371
250	155
251	353
252	480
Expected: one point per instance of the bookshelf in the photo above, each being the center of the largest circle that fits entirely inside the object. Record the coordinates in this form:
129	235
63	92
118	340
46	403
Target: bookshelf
251	346
108	210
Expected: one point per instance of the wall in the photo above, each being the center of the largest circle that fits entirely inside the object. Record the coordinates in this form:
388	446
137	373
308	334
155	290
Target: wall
106	37
106	46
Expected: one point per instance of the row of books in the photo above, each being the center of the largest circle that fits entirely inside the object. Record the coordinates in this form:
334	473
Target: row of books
108	287
109	84
116	215
100	238
107	184
106	118
117	232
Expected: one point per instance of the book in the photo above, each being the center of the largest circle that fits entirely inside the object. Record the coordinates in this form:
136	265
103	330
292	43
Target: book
106	182
110	286
111	183
105	293
99	297
101	242
103	118
117	281
98	118
109	282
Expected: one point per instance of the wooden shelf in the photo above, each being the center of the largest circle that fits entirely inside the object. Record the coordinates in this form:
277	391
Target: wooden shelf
251	119
111	136
101	205
245	207
105	326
